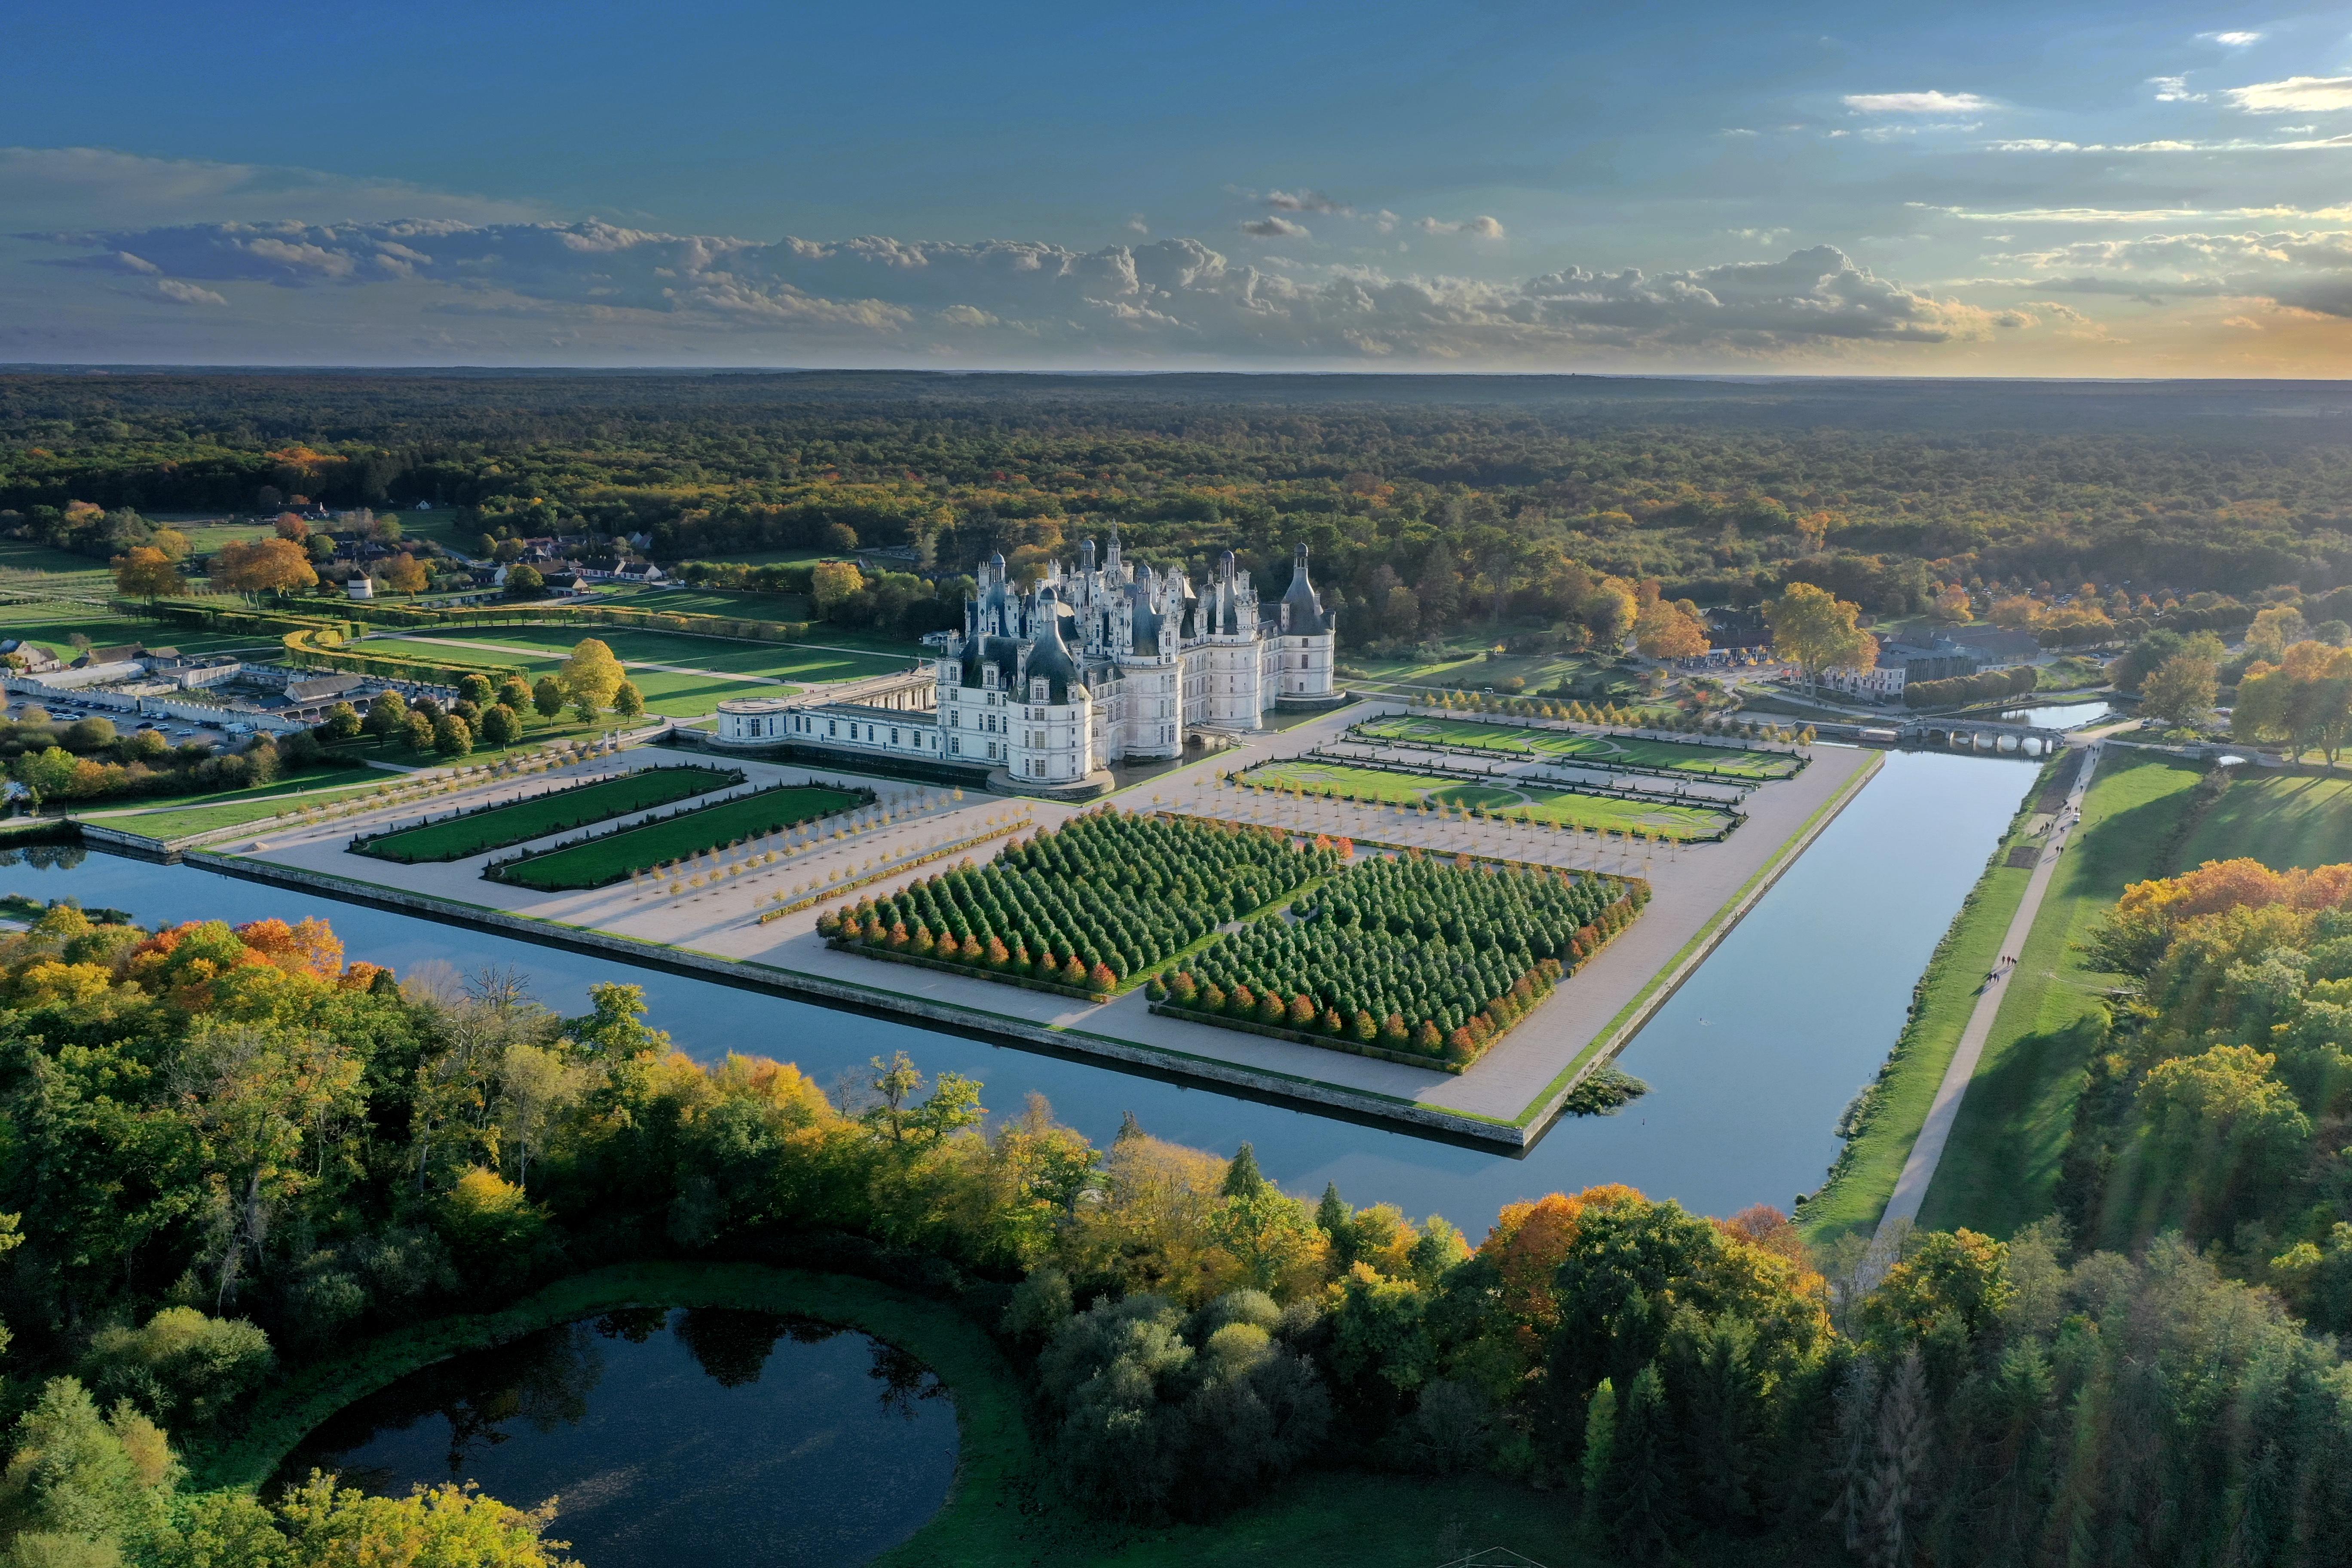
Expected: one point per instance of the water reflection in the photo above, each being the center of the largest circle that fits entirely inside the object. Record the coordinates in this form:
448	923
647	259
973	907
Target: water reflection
671	1437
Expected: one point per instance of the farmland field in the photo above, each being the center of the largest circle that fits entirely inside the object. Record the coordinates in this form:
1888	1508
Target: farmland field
1591	812
557	811
1576	746
601	861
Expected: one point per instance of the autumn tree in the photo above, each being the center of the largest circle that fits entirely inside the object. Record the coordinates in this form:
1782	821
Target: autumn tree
2181	691
1668	629
1815	631
404	575
591	675
261	566
831	581
147	572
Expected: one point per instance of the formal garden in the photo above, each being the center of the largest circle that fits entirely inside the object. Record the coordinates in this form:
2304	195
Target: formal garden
1638	753
509	823
600	861
1089	907
1409	956
1623	814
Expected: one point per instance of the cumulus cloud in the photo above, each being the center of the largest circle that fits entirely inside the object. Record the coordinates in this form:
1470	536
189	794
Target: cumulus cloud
2174	90
1479	227
1916	102
874	296
2296	95
1274	226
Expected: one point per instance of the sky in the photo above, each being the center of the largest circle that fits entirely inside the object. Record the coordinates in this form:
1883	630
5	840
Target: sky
2048	189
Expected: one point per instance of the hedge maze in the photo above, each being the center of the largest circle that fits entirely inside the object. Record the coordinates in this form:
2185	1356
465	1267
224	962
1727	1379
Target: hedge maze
1411	956
1090	905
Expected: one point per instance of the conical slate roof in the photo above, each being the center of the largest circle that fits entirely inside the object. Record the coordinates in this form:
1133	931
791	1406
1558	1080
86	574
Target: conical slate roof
1303	610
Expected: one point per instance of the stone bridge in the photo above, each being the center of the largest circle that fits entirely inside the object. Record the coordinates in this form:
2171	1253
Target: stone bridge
1979	735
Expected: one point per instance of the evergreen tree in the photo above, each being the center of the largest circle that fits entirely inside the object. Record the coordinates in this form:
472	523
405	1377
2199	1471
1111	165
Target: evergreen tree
1243	1179
1642	1492
1600	1451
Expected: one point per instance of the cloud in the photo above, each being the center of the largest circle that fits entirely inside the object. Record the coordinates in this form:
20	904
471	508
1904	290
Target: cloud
2174	90
2036	144
2296	95
1480	228
1275	226
96	187
1135	224
2309	269
2138	215
879	298
1916	102
188	293
1306	202
1760	235
2233	40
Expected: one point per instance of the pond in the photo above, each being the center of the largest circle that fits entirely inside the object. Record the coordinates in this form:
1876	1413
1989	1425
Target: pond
672	1438
1750	1063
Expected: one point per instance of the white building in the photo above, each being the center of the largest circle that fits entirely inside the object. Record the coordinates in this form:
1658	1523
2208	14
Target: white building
1049	685
1882	684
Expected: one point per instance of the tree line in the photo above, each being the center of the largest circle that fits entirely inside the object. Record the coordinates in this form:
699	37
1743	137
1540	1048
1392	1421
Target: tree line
233	1152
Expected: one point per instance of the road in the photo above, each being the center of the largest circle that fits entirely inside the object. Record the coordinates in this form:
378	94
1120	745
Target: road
1927	1151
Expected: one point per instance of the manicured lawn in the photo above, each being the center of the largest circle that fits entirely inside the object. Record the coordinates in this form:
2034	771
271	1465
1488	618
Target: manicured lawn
721	601
50	622
557	811
1589	811
2001	1169
607	859
22	555
2282	820
1569	746
233	813
779	668
290	783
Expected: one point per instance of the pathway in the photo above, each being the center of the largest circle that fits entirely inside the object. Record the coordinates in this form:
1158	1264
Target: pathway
1928	1149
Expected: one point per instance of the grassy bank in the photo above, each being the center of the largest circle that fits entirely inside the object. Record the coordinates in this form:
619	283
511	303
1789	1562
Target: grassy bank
2282	820
2001	1169
1887	1122
234	813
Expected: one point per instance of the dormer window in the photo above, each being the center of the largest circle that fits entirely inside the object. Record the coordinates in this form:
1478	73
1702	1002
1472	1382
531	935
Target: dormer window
1039	691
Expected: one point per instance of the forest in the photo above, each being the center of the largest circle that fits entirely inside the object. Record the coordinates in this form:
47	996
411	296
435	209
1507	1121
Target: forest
1433	505
231	1152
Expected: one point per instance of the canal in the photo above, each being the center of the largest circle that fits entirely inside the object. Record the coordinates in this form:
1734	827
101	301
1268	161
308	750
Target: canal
1748	1064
